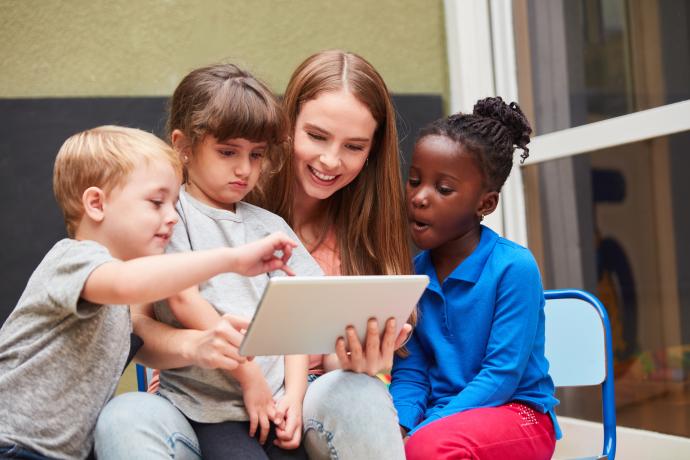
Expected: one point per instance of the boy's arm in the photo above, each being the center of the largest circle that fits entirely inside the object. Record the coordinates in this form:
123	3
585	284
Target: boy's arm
148	279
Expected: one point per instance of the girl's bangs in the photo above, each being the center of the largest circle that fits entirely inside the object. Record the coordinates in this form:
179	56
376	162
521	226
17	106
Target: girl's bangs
246	113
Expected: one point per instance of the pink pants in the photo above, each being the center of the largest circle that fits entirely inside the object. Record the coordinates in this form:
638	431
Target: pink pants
513	431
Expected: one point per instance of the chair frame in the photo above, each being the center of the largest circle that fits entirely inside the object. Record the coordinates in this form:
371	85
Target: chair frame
607	386
142	378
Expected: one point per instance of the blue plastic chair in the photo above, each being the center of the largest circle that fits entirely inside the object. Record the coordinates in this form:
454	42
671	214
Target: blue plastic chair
578	347
143	377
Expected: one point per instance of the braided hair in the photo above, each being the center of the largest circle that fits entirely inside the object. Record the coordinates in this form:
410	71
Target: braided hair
491	133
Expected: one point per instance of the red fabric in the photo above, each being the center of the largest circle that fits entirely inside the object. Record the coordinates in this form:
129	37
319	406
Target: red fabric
513	431
155	382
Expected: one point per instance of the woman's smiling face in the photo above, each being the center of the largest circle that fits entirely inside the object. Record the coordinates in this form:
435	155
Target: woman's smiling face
333	137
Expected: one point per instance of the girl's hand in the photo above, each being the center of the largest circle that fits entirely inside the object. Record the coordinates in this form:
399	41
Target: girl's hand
217	348
288	422
258	401
377	354
264	255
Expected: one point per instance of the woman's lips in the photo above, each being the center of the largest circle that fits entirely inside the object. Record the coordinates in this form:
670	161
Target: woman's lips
321	178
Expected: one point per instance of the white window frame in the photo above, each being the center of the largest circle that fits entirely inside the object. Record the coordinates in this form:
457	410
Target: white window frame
481	63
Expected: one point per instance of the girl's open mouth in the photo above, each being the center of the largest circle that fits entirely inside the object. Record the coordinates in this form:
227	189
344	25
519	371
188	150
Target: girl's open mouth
419	226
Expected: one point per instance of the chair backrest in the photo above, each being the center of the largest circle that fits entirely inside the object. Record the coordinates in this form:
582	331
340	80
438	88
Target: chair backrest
578	347
144	375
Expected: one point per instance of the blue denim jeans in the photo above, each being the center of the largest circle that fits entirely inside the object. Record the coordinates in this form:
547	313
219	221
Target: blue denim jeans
144	426
350	416
347	416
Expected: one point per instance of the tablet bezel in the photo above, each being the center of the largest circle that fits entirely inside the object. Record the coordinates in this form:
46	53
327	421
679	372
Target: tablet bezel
305	315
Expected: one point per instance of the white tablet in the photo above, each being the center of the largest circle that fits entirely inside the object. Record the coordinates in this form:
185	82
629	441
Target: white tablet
305	315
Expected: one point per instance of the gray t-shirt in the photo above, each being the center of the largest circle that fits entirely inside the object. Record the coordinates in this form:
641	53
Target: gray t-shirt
61	357
212	396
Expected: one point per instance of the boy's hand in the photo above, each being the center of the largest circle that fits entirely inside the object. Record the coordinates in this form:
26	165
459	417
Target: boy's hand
258	401
288	421
260	256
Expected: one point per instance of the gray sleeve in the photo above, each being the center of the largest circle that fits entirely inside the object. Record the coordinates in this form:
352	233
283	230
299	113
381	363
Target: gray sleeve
64	279
179	241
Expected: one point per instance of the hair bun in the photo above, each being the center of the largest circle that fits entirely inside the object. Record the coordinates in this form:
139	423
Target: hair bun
510	116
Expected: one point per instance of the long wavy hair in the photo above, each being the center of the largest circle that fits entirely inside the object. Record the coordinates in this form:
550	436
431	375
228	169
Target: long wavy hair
368	214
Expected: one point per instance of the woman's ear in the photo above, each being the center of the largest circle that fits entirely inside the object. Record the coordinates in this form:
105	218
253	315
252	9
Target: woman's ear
93	200
487	204
181	144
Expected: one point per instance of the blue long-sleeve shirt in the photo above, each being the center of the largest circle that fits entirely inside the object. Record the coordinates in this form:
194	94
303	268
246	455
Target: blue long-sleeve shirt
479	341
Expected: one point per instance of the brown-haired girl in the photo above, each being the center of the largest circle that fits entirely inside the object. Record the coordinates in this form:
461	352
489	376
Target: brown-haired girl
227	127
476	382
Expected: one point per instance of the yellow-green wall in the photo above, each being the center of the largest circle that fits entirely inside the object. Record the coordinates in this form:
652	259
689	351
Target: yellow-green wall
51	48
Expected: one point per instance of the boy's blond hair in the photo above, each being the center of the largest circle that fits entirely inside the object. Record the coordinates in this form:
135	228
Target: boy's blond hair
102	157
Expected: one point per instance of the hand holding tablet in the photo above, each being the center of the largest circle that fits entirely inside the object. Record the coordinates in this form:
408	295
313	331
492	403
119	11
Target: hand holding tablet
305	315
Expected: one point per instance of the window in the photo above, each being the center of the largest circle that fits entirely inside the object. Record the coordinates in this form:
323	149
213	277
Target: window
615	220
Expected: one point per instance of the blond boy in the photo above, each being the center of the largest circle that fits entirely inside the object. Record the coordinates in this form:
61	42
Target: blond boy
63	348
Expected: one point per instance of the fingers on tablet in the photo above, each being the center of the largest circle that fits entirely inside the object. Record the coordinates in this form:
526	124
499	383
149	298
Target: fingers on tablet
341	353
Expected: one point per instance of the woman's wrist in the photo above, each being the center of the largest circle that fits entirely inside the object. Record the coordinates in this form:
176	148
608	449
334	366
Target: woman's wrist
188	345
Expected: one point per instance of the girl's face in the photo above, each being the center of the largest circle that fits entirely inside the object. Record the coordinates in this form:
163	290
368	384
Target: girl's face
221	173
333	136
445	192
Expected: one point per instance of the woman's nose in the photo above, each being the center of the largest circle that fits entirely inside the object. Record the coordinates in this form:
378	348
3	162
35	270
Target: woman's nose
330	158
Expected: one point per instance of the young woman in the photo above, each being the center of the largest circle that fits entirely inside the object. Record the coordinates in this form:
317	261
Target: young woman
340	190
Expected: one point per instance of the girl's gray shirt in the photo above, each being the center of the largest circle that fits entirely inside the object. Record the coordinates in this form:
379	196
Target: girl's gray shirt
212	396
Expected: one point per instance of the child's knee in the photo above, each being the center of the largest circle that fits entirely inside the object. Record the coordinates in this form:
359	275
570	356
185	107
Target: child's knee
429	443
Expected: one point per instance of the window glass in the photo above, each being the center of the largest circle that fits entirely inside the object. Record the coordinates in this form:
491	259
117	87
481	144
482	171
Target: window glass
631	249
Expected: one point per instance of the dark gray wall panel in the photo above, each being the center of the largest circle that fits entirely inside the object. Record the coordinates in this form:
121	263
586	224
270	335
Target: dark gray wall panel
31	132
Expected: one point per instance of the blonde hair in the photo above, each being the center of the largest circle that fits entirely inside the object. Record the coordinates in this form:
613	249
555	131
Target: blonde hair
369	213
102	157
228	102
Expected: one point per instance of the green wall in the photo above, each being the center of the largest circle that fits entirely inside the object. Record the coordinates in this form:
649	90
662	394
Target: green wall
51	48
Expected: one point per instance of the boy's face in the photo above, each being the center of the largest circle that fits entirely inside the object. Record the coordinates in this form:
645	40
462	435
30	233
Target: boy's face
444	192
221	173
139	214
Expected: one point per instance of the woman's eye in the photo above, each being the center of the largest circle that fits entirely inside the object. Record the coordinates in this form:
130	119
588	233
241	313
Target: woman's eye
357	148
413	182
317	137
257	155
226	153
157	203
